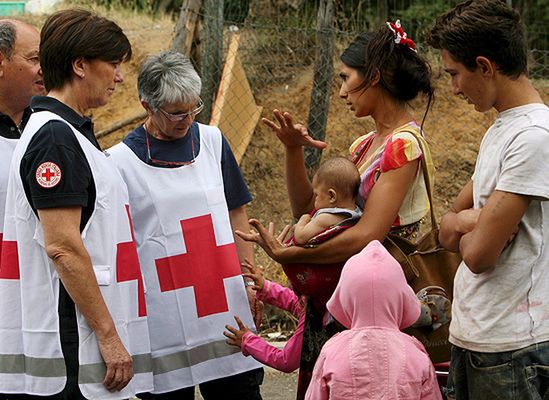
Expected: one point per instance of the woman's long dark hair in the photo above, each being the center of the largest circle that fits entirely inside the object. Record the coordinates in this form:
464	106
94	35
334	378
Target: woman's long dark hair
403	73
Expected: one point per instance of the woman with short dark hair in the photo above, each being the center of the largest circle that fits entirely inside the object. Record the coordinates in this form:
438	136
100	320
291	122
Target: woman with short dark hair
70	35
83	312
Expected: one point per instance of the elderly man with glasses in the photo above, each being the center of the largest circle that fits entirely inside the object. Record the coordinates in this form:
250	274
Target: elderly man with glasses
187	196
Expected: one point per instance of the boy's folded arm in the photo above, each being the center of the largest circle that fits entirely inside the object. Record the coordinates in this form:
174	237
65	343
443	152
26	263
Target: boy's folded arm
496	225
450	233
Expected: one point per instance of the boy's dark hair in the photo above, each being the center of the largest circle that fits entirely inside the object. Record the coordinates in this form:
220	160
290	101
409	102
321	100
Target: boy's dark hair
488	28
71	34
340	174
403	72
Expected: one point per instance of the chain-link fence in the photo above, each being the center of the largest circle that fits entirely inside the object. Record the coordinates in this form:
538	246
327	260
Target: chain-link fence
288	54
271	61
285	55
289	58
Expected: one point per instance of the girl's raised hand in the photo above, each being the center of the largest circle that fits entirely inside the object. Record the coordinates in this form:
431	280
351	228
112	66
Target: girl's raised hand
290	134
254	273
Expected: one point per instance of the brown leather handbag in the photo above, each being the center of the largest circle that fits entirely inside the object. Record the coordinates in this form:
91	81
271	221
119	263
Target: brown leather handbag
427	265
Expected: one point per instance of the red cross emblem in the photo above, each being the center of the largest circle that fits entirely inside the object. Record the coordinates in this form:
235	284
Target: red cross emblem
203	266
48	174
9	259
127	267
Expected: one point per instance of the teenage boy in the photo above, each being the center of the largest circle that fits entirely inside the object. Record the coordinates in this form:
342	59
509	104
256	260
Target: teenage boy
500	220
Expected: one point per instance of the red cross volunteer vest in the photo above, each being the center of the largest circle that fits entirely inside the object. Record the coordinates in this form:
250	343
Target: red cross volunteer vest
31	360
188	257
10	290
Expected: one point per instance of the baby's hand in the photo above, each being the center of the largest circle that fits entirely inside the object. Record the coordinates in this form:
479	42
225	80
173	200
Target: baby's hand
254	274
234	336
304	219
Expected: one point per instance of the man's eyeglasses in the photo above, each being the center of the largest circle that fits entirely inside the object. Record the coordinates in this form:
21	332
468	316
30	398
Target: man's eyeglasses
180	117
169	163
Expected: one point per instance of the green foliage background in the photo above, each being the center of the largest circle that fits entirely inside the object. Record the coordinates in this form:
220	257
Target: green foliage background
352	15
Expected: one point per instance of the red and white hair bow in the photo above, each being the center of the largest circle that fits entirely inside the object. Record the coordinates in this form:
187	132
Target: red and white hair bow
400	36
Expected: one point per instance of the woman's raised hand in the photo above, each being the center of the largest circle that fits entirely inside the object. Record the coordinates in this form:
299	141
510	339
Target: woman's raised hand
266	239
290	134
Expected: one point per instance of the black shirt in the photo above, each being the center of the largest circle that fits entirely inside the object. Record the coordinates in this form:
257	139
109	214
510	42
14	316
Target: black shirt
56	143
9	129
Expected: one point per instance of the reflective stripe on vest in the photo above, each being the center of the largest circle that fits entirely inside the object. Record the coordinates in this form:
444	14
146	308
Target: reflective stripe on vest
107	228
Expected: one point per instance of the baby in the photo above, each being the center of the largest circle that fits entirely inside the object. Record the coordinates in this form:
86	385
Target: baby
335	187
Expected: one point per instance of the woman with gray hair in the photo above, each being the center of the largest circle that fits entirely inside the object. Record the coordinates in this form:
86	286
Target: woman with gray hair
187	195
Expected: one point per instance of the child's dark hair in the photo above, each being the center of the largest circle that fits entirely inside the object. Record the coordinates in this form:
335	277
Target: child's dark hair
340	174
403	72
488	28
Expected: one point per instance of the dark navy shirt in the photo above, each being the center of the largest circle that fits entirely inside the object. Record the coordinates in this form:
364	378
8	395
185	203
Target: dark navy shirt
55	142
179	150
9	129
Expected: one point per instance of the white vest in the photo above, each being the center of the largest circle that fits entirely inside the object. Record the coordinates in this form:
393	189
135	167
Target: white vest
11	339
38	366
183	232
6	151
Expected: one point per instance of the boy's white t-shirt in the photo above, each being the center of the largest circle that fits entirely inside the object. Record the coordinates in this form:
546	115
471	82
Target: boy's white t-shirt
507	308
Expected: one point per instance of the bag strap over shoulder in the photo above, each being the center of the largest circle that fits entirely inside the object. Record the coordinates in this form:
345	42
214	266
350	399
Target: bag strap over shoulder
421	141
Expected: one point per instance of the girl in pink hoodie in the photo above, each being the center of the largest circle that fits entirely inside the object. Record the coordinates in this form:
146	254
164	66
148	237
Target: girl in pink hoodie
373	359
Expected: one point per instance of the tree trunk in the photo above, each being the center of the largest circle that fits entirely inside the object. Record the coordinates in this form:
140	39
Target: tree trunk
382	11
322	81
211	60
186	26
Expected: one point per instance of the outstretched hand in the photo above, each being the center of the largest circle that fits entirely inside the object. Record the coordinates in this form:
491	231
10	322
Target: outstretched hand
233	335
290	134
266	238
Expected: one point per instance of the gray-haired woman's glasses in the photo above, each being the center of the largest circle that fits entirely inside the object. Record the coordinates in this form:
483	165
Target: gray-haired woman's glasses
180	117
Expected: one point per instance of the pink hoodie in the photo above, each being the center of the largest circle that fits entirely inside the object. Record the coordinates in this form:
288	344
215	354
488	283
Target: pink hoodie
373	359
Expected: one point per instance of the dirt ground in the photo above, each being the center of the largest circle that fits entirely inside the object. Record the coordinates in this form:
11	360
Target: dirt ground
276	385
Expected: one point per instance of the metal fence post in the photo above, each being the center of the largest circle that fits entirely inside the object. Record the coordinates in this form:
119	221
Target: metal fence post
322	81
211	64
